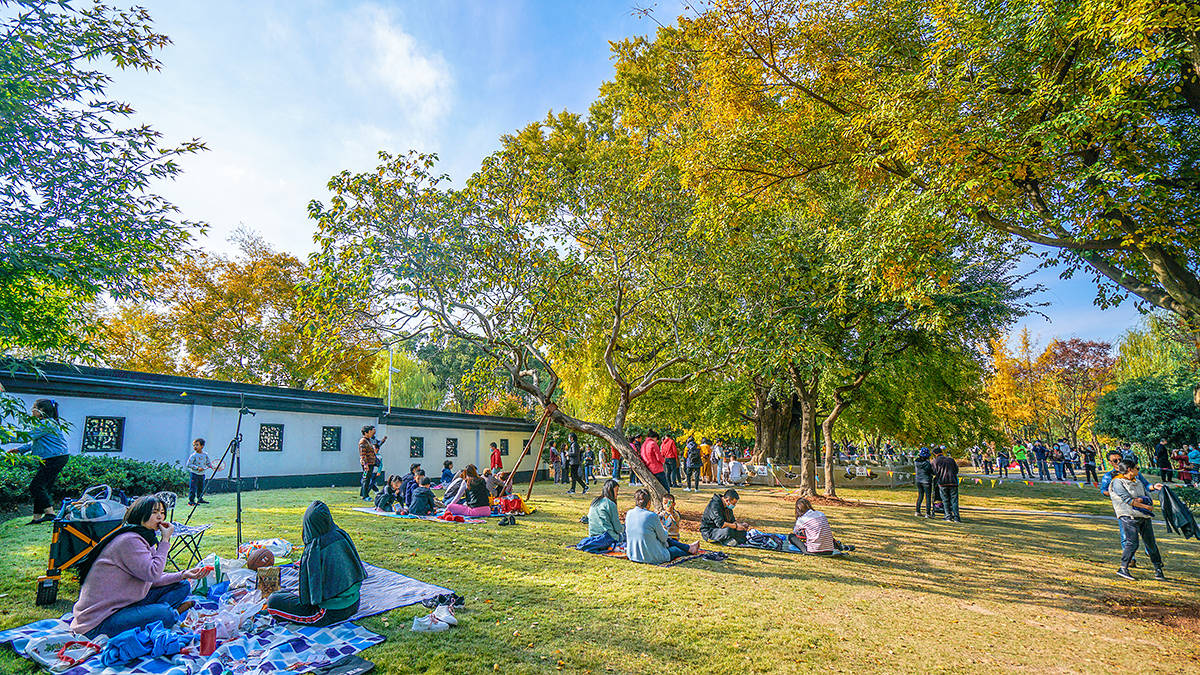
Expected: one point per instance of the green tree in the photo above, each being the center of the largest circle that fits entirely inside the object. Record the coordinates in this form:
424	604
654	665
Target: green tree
413	385
567	236
1073	128
1145	410
78	217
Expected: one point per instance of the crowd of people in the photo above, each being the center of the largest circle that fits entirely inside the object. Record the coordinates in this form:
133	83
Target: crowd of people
1062	461
673	465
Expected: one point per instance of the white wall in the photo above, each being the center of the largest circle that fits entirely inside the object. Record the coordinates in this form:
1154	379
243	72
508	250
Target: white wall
164	431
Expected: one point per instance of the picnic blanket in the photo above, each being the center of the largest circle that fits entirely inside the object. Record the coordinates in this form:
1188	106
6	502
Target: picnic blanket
787	545
278	648
372	511
619	552
707	555
382	590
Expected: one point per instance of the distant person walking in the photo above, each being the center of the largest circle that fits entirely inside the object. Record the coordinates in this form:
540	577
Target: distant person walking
575	463
945	471
693	467
47	443
1162	459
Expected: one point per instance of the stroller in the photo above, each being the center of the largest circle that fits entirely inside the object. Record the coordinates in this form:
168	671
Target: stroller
79	526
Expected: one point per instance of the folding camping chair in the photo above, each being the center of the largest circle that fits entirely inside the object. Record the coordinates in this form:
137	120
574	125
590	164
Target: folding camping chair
70	543
185	545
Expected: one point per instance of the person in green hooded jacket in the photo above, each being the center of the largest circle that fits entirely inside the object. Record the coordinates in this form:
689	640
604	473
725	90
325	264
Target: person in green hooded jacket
330	575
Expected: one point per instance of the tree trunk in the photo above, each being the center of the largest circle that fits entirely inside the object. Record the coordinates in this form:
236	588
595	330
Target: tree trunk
615	439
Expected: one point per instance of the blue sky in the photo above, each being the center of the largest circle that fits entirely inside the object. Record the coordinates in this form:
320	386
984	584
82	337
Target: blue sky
286	94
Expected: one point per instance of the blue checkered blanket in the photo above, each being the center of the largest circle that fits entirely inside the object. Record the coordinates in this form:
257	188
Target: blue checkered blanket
278	648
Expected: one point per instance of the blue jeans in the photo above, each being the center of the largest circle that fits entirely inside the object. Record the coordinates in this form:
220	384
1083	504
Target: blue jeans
616	469
677	548
196	488
1043	470
158	605
949	500
672	469
1058	471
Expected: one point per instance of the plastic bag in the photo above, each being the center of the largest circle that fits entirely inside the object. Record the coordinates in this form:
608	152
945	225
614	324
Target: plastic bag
58	652
234	610
281	548
95	504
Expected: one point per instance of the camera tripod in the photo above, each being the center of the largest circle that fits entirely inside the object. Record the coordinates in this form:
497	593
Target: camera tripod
234	451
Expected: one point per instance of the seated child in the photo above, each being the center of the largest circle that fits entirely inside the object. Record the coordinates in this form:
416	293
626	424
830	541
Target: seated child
812	533
447	473
391	498
669	516
412	485
423	502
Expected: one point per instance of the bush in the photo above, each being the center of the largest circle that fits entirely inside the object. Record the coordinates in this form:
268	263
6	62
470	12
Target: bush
1188	495
83	471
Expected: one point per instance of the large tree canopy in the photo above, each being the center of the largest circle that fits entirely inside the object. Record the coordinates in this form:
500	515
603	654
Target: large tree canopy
567	241
78	216
1071	126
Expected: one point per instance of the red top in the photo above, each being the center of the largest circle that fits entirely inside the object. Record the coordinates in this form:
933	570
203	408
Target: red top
497	463
651	456
616	454
669	451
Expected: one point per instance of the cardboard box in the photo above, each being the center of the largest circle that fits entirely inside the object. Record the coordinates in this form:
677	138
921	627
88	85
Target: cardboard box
268	580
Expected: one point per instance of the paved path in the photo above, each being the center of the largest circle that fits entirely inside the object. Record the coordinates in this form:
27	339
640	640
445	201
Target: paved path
1021	512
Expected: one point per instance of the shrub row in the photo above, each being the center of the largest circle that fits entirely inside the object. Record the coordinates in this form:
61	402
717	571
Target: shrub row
82	471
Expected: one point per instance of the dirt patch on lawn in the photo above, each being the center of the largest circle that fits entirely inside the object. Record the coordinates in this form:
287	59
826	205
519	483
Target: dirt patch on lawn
822	501
1180	616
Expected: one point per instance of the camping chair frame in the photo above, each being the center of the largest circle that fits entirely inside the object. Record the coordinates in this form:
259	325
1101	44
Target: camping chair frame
47	586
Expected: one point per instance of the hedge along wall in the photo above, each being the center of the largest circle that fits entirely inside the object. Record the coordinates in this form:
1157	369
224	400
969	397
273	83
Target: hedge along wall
130	476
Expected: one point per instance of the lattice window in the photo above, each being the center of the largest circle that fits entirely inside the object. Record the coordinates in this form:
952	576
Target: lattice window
416	446
331	439
503	446
451	447
103	434
270	438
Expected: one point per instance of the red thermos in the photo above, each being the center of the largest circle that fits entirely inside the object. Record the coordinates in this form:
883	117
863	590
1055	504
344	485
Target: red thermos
208	639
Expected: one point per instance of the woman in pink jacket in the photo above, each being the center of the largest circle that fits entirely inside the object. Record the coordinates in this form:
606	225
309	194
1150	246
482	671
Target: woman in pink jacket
123	583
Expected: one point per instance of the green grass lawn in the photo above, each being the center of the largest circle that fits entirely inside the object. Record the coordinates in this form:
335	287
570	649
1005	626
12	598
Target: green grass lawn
997	592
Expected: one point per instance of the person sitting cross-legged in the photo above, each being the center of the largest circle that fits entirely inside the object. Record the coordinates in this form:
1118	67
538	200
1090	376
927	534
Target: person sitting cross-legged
718	525
124	585
646	538
423	502
812	533
331	574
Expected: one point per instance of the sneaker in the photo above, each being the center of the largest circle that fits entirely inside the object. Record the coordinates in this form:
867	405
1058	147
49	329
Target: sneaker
920	515
445	614
429	624
191	503
1159	575
202	501
571	491
1124	574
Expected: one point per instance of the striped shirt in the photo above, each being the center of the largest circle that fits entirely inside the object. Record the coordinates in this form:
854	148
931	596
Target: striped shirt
814	526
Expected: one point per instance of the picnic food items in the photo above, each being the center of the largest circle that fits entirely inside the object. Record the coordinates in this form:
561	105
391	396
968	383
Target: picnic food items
260	557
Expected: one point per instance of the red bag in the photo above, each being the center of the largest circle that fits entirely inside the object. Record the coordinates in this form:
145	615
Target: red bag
512	504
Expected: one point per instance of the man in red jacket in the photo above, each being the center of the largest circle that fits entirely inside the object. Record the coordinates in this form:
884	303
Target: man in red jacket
670	455
653	458
497	462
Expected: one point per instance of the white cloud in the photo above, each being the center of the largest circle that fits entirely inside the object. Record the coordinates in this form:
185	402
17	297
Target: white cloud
381	56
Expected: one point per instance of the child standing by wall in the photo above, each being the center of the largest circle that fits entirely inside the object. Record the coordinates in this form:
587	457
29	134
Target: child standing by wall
197	463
